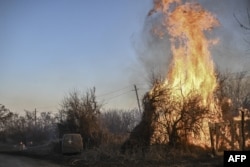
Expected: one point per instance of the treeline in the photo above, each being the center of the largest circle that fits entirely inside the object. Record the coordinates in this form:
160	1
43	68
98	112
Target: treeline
79	113
29	128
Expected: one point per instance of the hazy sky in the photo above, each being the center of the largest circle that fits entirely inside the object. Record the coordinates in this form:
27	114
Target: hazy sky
51	47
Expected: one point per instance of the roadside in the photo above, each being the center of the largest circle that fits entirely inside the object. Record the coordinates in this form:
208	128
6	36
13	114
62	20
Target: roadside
107	157
23	161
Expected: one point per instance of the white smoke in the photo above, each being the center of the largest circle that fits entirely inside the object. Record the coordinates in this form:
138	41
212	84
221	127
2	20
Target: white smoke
229	54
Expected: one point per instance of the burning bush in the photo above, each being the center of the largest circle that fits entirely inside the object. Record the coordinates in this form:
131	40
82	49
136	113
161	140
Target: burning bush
170	118
178	109
175	117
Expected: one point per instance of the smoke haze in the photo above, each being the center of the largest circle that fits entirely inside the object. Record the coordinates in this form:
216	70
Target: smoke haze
231	53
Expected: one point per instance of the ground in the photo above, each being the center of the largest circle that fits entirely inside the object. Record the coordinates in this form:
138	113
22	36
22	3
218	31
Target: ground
103	157
22	161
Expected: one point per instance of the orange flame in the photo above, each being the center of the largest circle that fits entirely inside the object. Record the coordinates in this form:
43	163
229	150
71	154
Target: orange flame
191	67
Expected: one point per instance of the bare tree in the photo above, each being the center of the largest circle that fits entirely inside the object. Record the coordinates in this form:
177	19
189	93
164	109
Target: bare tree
233	93
82	116
246	26
174	116
155	77
120	121
168	118
5	116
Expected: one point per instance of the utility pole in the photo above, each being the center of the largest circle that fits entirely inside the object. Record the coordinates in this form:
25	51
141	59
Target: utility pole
242	129
35	116
60	116
138	101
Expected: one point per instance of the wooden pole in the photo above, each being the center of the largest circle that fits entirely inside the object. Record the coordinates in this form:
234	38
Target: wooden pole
211	132
232	134
242	129
35	117
138	101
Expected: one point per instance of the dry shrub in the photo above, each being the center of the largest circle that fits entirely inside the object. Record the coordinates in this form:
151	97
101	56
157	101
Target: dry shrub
80	114
168	118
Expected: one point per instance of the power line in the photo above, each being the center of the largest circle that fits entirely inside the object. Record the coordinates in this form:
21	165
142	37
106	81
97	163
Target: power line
111	92
98	96
118	90
119	95
46	107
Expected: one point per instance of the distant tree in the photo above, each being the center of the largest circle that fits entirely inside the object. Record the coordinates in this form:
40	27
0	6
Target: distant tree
28	128
5	115
233	93
46	126
81	112
119	121
15	128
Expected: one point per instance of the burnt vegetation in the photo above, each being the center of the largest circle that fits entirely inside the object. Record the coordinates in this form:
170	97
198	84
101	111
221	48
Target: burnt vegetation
171	120
167	119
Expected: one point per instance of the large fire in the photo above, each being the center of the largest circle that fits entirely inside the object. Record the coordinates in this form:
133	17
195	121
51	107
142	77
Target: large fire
182	109
192	67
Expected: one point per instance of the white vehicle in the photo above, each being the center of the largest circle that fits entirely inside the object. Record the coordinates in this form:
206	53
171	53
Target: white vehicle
72	143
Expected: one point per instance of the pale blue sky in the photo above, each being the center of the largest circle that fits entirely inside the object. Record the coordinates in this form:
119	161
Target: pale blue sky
51	47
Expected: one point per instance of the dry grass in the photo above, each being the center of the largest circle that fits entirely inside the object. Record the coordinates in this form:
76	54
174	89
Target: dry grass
109	155
155	156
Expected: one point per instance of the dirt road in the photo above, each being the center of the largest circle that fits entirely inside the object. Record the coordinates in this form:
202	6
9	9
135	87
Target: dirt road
20	161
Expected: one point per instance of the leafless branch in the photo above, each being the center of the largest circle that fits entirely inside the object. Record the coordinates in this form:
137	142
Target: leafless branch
242	25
